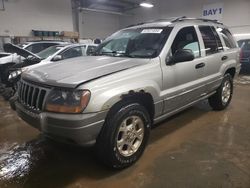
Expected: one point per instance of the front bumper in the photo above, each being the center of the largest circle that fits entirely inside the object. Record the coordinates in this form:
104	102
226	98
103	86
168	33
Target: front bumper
80	129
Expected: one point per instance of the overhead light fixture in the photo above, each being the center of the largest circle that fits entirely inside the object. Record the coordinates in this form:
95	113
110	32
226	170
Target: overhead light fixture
146	5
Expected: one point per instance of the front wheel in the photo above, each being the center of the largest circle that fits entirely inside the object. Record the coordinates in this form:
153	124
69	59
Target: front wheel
124	136
222	98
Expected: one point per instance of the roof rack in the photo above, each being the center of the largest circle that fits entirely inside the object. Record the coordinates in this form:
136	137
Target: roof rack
199	19
157	20
176	19
132	25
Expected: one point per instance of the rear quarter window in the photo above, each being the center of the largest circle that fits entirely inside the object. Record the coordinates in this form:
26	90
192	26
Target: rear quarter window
227	37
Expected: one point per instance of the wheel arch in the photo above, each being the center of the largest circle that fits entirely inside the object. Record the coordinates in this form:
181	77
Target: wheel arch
143	98
231	71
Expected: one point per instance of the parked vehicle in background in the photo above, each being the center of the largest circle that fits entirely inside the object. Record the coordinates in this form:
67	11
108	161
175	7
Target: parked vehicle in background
244	44
49	55
7	60
137	77
38	46
89	49
53	54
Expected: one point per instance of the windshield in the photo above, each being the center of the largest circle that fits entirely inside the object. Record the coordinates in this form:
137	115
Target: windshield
49	51
137	43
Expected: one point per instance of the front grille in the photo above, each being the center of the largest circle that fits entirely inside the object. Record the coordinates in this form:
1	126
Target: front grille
31	96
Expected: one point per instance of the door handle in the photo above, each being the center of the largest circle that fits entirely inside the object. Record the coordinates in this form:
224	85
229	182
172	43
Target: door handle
224	58
200	65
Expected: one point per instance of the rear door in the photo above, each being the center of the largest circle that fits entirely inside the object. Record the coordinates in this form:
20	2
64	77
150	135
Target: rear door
221	53
214	57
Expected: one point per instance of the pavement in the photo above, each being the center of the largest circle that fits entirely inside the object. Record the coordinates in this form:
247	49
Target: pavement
197	148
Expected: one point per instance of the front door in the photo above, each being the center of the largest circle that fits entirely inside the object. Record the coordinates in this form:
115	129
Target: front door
182	82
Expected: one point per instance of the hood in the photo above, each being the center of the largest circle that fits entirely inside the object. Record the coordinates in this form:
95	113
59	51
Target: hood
11	48
72	72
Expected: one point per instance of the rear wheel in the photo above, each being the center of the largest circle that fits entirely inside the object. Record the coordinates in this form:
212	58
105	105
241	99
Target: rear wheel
124	135
222	98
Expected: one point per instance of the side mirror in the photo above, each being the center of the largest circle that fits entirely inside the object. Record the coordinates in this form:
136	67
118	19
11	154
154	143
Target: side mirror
57	58
182	55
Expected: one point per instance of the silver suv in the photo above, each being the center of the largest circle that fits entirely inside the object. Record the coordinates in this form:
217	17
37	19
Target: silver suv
137	77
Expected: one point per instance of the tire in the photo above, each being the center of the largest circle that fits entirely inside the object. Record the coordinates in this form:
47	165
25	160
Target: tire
222	98
118	135
8	93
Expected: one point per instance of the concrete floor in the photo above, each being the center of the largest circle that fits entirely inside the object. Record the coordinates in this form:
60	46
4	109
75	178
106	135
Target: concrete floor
197	148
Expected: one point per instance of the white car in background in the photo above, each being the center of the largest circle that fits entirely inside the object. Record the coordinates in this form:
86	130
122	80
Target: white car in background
7	60
61	52
34	47
47	56
54	53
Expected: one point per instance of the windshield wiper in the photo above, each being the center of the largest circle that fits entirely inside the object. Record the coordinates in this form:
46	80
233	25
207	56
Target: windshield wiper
115	54
112	52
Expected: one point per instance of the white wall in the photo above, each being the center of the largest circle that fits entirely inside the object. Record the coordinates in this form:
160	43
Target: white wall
21	16
236	12
97	25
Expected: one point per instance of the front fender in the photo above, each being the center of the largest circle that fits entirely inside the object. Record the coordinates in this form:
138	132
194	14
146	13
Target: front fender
106	99
106	92
116	94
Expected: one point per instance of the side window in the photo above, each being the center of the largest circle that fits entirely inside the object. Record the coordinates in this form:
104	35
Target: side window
210	41
72	52
227	37
35	48
90	49
38	47
217	38
186	39
46	45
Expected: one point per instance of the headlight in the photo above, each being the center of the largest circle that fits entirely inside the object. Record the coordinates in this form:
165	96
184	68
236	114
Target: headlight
64	101
14	74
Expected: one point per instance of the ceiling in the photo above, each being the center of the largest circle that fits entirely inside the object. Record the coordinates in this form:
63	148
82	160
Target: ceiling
120	6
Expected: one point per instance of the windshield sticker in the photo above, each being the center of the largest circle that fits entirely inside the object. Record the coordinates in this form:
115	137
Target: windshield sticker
152	31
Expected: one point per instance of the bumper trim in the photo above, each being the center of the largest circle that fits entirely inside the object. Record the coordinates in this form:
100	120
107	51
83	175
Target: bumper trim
80	129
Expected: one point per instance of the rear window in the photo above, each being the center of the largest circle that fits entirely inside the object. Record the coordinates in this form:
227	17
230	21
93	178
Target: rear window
38	47
227	37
